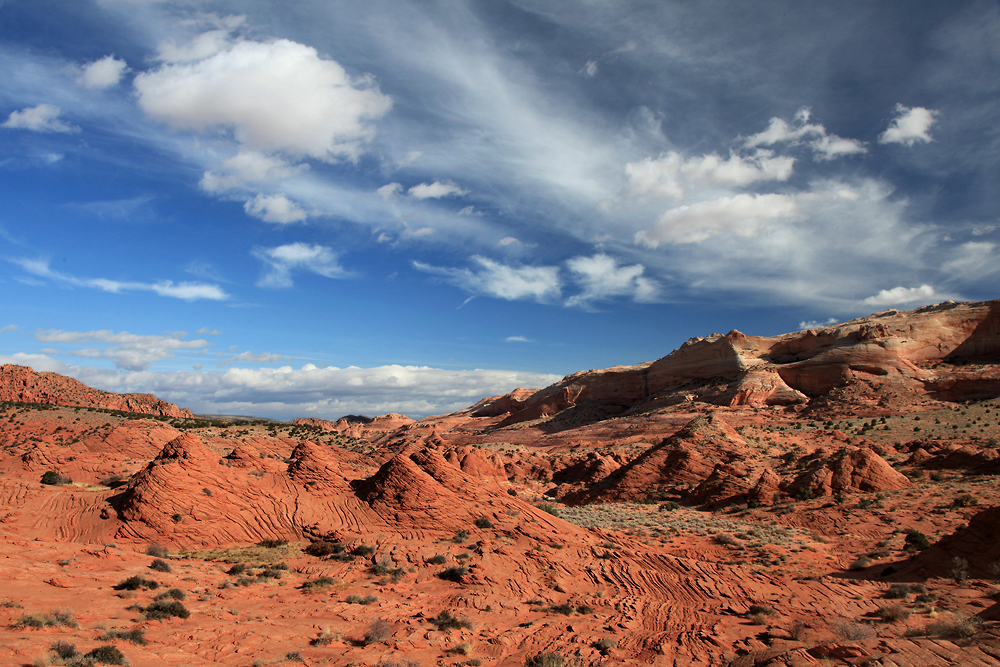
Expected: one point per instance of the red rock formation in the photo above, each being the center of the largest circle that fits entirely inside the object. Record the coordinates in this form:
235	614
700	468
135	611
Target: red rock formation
20	383
851	470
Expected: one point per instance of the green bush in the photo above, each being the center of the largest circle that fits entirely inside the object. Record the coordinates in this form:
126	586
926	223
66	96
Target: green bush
136	582
160	565
52	478
447	621
454	573
916	541
162	609
107	654
135	635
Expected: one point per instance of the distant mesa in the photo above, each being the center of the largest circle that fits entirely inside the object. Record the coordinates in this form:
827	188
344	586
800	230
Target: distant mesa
20	383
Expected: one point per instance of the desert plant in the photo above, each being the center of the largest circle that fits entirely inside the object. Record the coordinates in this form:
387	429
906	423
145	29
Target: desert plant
460	537
107	654
447	621
135	582
545	660
916	541
53	478
898	592
860	563
357	599
135	635
324	638
484	523
160	565
324	548
157	551
64	650
605	644
318	584
237	569
959	569
893	613
272	543
454	573
439	559
851	630
159	609
294	656
377	632
172	594
549	508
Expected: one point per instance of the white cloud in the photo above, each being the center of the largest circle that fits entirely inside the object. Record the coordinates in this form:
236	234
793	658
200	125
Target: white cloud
741	215
517	339
814	324
103	73
202	46
8	328
911	124
972	260
899	295
129	351
41	118
274	96
590	69
814	135
187	291
602	278
282	260
205	331
286	393
538	283
664	175
275	208
389	191
249	167
262	358
436	190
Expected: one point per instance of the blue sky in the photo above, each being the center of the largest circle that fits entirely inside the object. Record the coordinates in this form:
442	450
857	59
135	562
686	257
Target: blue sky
315	208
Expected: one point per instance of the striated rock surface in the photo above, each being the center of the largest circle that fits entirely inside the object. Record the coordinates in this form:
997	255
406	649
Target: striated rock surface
851	470
20	383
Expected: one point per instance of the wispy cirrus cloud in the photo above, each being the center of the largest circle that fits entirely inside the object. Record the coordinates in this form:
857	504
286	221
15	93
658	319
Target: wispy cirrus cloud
188	291
282	261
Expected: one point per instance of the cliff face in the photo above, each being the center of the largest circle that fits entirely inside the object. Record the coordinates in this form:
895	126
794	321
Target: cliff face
22	384
948	351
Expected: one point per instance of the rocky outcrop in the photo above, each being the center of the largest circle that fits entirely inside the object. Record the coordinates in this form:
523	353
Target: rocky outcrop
851	470
22	384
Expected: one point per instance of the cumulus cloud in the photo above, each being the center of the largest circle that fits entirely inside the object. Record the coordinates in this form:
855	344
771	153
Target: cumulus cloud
664	176
814	324
187	291
286	393
900	295
249	167
283	260
129	351
389	191
275	208
741	215
41	118
601	278
273	96
103	73
502	281
825	146
911	124
436	190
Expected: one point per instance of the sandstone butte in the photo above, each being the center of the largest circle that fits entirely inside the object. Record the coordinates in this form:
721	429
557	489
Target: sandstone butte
824	497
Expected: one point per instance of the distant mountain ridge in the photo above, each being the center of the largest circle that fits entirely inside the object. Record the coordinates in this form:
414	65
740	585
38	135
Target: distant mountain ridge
23	384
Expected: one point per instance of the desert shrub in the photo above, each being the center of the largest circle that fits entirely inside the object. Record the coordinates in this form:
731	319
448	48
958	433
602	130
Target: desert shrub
725	539
860	563
548	507
377	632
60	618
270	573
460	537
157	551
959	569
447	621
994	570
605	644
136	582
512	492
395	662
566	609
107	654
916	541
964	500
454	573
318	584
757	619
53	478
64	650
294	656
324	638
382	566
363	550
893	613
357	599
112	481
33	621
669	506
584	609
545	660
160	565
237	569
172	594
272	543
851	630
798	630
762	609
439	559
898	592
961	626
135	635
484	523
323	549
159	609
